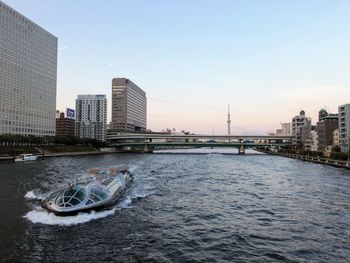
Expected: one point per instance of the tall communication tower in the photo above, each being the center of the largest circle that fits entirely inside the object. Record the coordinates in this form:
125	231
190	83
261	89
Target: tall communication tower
228	121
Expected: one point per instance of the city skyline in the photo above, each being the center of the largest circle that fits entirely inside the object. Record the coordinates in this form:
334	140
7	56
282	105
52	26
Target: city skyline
279	57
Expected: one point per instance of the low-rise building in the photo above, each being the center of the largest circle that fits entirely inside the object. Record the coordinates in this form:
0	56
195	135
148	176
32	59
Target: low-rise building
311	143
336	137
65	126
325	128
285	130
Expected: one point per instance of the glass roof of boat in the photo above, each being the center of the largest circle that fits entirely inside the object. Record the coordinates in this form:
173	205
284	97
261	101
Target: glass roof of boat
71	196
96	195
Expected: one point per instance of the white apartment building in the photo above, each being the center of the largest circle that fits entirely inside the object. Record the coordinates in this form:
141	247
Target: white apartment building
344	127
91	116
28	73
311	142
301	128
286	129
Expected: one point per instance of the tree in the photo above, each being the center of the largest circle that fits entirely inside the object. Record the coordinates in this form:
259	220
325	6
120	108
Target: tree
336	149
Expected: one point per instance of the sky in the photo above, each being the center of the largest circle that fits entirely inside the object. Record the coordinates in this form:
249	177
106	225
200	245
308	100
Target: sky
268	59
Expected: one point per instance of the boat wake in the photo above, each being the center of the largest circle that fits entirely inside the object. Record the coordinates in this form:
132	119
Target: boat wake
214	154
34	195
41	216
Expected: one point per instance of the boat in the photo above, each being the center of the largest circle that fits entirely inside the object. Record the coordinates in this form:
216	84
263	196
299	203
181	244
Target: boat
24	157
101	189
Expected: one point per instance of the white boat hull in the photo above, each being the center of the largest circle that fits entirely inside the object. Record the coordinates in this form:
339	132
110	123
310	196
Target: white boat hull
26	158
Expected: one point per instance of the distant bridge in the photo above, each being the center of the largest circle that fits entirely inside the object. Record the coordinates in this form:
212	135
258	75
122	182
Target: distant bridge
148	142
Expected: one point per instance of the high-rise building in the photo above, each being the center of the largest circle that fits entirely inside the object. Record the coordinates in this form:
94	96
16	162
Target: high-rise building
91	117
301	128
129	106
65	126
28	73
344	127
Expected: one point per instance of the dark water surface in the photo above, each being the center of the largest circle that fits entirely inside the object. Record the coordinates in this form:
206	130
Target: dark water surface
182	208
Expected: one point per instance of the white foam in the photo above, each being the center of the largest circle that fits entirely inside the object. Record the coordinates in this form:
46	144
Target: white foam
31	195
39	215
215	154
132	168
125	202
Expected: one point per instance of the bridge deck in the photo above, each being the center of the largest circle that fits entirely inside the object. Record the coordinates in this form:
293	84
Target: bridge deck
196	144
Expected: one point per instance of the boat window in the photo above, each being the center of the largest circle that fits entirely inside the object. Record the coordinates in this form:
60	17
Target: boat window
71	196
102	195
108	181
95	198
114	187
59	200
74	201
81	194
89	202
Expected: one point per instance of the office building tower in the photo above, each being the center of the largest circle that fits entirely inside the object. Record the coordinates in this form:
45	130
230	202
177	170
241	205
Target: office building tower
129	106
344	127
28	73
91	116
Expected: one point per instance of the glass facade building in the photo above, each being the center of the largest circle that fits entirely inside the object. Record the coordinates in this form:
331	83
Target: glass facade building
28	76
129	106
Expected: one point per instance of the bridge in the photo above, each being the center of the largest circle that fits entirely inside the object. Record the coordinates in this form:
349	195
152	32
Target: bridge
147	142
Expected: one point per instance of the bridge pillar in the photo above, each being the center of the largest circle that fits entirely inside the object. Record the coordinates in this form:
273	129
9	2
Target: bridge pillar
147	149
241	150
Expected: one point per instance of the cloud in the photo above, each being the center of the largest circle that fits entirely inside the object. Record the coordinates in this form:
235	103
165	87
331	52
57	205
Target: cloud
110	64
313	98
319	94
180	104
62	48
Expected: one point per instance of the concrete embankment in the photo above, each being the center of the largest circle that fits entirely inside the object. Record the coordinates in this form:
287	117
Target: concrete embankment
61	154
314	159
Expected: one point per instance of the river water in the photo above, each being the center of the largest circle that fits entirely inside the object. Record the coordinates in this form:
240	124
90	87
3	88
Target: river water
182	208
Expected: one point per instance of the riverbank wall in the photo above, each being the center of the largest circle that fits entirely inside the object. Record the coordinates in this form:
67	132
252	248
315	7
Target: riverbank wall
314	159
62	154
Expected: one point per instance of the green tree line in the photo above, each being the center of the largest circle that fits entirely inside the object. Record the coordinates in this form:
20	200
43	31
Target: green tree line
15	140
